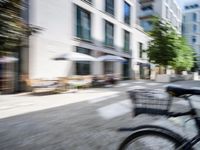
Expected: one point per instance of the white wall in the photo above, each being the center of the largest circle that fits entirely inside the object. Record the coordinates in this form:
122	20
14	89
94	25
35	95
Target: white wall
143	38
54	38
57	20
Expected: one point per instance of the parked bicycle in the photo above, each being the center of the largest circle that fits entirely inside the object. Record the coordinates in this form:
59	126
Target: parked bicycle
152	137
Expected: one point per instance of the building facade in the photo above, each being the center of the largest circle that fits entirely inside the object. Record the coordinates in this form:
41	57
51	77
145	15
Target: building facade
191	27
168	10
93	27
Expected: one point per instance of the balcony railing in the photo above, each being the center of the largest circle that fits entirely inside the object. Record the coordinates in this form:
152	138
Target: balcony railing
145	1
146	14
88	1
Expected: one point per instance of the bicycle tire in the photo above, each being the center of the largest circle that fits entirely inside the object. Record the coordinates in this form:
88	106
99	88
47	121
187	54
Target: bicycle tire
151	131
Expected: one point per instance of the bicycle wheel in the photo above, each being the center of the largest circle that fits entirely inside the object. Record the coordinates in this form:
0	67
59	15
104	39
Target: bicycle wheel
152	138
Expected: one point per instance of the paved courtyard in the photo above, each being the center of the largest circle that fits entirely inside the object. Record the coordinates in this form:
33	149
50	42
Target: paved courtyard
84	120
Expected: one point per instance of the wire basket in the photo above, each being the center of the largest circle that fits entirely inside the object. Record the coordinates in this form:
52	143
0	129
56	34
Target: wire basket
148	101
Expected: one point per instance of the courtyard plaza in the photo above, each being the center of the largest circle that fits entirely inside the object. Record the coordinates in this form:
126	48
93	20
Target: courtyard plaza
85	119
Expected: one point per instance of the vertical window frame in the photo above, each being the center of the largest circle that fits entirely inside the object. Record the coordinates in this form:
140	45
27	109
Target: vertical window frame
108	8
107	36
82	63
127	38
127	20
80	12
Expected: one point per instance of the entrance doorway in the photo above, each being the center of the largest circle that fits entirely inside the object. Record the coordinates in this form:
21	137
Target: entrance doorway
108	67
126	70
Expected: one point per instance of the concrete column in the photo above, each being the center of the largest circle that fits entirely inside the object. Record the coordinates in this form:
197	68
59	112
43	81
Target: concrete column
97	66
135	70
118	68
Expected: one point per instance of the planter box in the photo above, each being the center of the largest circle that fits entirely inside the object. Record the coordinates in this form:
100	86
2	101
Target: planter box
164	78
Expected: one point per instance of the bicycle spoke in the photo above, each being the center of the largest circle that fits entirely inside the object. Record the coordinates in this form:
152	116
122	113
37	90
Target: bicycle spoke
150	143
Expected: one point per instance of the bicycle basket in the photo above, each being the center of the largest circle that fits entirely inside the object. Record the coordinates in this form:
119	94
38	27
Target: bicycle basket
148	101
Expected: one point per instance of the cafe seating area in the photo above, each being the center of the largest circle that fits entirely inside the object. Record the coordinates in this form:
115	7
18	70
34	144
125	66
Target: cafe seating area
64	84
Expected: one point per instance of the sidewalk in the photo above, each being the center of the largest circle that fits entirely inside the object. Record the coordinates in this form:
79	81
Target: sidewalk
15	104
11	105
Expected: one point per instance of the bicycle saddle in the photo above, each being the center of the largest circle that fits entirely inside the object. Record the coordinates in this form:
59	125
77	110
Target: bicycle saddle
179	91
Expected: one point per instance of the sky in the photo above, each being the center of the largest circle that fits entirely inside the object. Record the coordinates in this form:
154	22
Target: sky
182	2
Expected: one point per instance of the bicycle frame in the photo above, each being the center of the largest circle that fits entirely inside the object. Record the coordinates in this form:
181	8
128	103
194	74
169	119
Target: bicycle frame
193	113
189	143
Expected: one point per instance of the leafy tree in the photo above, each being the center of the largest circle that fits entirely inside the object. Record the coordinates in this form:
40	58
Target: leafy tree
185	57
13	29
167	48
162	48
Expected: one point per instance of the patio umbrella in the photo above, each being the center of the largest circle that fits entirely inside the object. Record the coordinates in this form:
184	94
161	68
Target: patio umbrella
111	58
8	59
74	56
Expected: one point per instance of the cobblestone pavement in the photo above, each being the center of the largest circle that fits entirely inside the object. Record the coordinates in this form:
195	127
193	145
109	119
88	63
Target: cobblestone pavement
86	120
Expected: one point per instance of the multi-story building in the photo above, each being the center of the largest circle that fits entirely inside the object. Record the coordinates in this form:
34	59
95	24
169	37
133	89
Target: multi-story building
168	10
94	27
191	27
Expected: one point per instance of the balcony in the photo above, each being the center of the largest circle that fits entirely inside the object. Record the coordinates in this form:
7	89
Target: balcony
145	1
147	14
88	1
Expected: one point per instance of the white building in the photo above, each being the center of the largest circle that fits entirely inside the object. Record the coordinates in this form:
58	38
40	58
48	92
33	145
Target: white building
191	26
165	9
95	27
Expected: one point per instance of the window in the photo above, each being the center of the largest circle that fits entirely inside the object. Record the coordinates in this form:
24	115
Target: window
89	1
194	28
109	33
167	11
147	25
194	16
147	8
184	18
126	41
183	28
109	6
171	16
140	49
83	67
83	29
127	13
193	39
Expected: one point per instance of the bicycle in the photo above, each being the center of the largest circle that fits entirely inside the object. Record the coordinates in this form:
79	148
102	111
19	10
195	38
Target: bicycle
150	102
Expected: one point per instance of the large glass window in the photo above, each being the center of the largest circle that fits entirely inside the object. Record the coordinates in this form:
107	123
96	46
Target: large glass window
194	16
194	28
83	67
184	18
83	29
193	39
147	25
126	41
109	6
109	33
127	13
147	8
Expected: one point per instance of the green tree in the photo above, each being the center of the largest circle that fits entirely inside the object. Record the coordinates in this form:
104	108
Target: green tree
162	48
185	57
167	48
13	29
